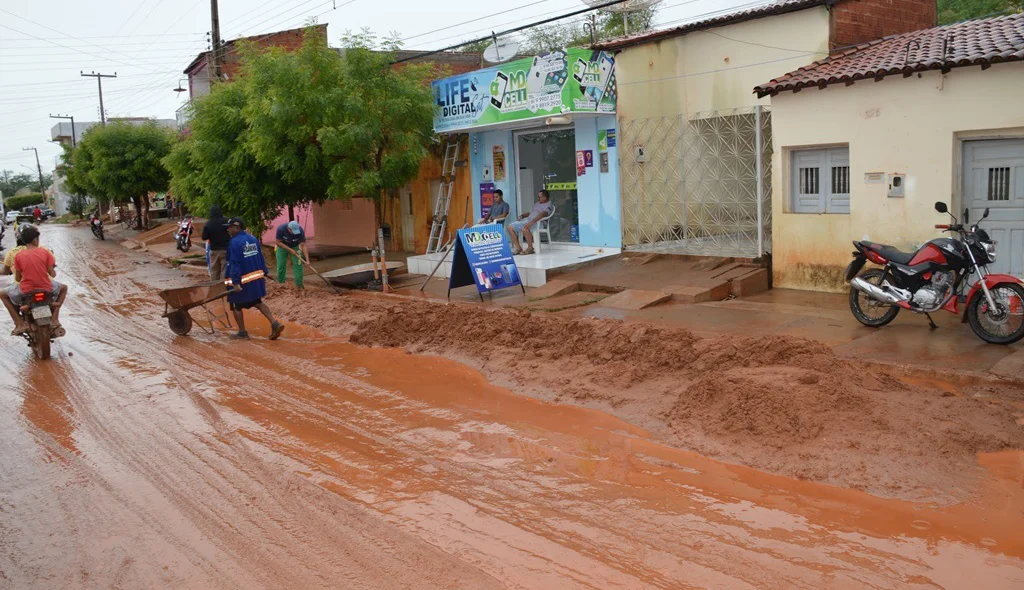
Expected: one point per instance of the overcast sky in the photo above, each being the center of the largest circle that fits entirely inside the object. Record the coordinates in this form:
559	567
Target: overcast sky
44	45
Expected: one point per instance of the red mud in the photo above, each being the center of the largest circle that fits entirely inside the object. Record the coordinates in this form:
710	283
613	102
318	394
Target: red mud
781	404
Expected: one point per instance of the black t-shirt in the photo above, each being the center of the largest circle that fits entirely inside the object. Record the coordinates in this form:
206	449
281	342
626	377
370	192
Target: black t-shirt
216	230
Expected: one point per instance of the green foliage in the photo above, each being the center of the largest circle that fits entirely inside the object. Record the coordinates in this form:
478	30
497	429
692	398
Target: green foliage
22	201
77	205
120	162
305	126
10	183
576	33
951	11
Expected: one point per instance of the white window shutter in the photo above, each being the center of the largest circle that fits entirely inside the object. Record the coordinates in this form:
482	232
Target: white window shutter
808	183
837	173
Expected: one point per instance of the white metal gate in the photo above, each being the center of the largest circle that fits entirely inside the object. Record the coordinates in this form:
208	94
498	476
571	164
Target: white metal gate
994	179
698	184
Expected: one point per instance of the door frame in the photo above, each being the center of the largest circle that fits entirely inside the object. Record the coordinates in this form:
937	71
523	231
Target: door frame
519	187
958	188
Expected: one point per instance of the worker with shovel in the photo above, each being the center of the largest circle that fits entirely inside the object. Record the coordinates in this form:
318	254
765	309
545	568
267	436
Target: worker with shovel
291	243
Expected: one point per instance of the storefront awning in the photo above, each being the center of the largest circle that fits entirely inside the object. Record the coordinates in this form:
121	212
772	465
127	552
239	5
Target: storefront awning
511	94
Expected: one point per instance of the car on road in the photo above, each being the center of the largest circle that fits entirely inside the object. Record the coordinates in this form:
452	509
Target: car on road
49	213
11	217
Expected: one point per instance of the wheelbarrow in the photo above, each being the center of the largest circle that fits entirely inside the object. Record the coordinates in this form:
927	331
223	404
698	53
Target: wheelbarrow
179	302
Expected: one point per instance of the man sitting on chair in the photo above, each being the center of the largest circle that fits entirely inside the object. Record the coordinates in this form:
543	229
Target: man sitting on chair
499	210
541	209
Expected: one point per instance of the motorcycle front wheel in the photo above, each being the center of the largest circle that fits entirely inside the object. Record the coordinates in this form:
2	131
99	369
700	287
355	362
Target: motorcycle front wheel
1003	324
868	311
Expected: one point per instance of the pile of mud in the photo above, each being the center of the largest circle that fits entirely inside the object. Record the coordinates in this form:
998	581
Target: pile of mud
783	404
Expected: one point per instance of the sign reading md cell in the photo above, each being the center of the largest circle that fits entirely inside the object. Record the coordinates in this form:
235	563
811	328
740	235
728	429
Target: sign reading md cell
483	258
563	81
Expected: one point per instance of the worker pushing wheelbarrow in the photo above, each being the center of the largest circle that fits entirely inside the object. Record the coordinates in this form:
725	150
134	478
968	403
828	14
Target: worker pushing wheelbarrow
244	286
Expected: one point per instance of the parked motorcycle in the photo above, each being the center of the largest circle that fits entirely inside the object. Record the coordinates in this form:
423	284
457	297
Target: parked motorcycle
37	314
184	235
96	225
935	277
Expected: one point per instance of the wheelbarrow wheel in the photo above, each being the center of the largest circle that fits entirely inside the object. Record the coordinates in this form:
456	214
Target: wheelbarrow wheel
180	323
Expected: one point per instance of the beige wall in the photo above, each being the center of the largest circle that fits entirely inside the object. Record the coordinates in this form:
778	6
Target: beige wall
912	126
678	75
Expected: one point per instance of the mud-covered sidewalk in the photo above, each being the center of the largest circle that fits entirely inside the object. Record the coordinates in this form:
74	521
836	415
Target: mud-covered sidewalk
589	454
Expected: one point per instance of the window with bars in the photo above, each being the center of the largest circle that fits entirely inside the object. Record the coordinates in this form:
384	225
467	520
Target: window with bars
809	194
999	184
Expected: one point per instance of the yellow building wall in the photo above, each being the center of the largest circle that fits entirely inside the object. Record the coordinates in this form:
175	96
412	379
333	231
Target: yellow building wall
911	126
717	68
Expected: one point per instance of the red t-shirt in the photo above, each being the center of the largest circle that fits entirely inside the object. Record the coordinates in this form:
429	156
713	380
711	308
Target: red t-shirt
34	267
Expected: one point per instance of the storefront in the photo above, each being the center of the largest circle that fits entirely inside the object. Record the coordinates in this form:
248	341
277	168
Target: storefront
546	122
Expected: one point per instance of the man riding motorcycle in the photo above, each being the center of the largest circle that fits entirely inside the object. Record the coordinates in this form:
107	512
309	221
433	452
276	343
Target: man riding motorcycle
31	272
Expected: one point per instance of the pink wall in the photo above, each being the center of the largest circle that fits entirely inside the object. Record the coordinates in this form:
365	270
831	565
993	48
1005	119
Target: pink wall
304	215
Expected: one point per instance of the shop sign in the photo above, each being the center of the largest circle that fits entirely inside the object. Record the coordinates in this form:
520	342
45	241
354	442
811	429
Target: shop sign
563	81
486	198
483	258
560	186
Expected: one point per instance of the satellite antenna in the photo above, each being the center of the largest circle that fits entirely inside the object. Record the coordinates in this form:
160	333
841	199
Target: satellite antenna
625	7
500	50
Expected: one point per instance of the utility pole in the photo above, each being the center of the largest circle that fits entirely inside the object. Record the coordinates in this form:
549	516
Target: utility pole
99	83
72	126
215	41
39	167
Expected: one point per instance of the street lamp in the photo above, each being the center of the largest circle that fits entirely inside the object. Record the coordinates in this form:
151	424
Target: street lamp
73	139
180	87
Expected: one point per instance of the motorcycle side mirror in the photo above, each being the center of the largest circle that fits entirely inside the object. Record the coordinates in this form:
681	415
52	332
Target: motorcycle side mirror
941	207
985	216
967	216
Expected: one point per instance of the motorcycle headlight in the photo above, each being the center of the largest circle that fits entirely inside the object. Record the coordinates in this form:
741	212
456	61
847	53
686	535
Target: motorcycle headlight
990	250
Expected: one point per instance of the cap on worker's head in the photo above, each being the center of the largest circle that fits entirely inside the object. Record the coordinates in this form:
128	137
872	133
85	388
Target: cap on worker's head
294	227
236	222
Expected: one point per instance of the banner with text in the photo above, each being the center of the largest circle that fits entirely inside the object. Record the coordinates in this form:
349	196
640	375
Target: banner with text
484	258
550	84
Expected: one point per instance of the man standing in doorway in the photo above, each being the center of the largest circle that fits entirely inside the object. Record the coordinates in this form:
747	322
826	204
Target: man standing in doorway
215	234
247	272
541	209
499	210
291	243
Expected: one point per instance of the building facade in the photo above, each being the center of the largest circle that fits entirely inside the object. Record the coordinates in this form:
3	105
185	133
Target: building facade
695	146
865	143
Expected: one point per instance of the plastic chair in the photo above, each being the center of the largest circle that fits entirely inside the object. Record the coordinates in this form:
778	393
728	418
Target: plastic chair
544	227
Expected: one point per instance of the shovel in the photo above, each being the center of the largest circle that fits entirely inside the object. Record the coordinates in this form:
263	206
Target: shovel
329	284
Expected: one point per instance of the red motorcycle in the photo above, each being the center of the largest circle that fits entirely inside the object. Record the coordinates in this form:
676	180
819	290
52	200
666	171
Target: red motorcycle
183	238
935	277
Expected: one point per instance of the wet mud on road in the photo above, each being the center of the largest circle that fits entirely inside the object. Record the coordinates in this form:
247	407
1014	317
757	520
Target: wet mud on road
136	458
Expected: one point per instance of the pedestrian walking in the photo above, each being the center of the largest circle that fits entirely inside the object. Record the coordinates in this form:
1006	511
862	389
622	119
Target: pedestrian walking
246	273
215	234
291	243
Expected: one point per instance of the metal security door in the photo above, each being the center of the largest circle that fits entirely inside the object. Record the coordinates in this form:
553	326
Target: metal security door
994	178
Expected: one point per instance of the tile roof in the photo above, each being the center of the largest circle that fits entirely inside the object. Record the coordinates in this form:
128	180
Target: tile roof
980	42
770	9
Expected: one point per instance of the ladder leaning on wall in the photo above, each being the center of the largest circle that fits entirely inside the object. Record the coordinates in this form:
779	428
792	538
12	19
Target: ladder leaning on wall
444	196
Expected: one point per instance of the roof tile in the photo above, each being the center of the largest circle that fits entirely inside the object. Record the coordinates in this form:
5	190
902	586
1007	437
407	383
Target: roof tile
980	42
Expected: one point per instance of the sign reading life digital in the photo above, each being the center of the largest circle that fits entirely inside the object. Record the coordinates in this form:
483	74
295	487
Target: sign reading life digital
563	81
483	258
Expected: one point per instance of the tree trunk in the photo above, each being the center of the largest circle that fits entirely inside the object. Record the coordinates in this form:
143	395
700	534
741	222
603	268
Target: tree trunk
137	201
291	213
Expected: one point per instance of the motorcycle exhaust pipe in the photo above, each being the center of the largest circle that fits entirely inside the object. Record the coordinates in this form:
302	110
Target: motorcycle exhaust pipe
876	292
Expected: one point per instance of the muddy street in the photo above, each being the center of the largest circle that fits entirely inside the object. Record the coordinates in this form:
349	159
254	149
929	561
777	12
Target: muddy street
135	458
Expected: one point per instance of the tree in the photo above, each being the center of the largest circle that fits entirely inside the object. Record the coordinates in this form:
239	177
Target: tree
305	126
121	162
11	183
77	205
22	201
951	11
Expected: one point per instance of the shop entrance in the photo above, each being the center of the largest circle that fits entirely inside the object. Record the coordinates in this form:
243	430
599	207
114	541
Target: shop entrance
547	160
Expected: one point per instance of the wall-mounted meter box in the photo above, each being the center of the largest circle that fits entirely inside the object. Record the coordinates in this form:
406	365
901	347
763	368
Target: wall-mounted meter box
897	185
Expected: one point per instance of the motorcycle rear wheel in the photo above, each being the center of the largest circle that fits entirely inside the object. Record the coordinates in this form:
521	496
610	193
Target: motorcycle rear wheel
1009	298
41	344
868	311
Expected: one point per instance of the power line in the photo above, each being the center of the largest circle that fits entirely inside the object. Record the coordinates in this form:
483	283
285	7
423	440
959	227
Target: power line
475	20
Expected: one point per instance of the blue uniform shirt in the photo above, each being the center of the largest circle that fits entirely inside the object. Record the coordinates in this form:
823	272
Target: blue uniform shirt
246	267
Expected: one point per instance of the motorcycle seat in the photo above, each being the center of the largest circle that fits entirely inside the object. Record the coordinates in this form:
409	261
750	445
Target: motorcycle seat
889	253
